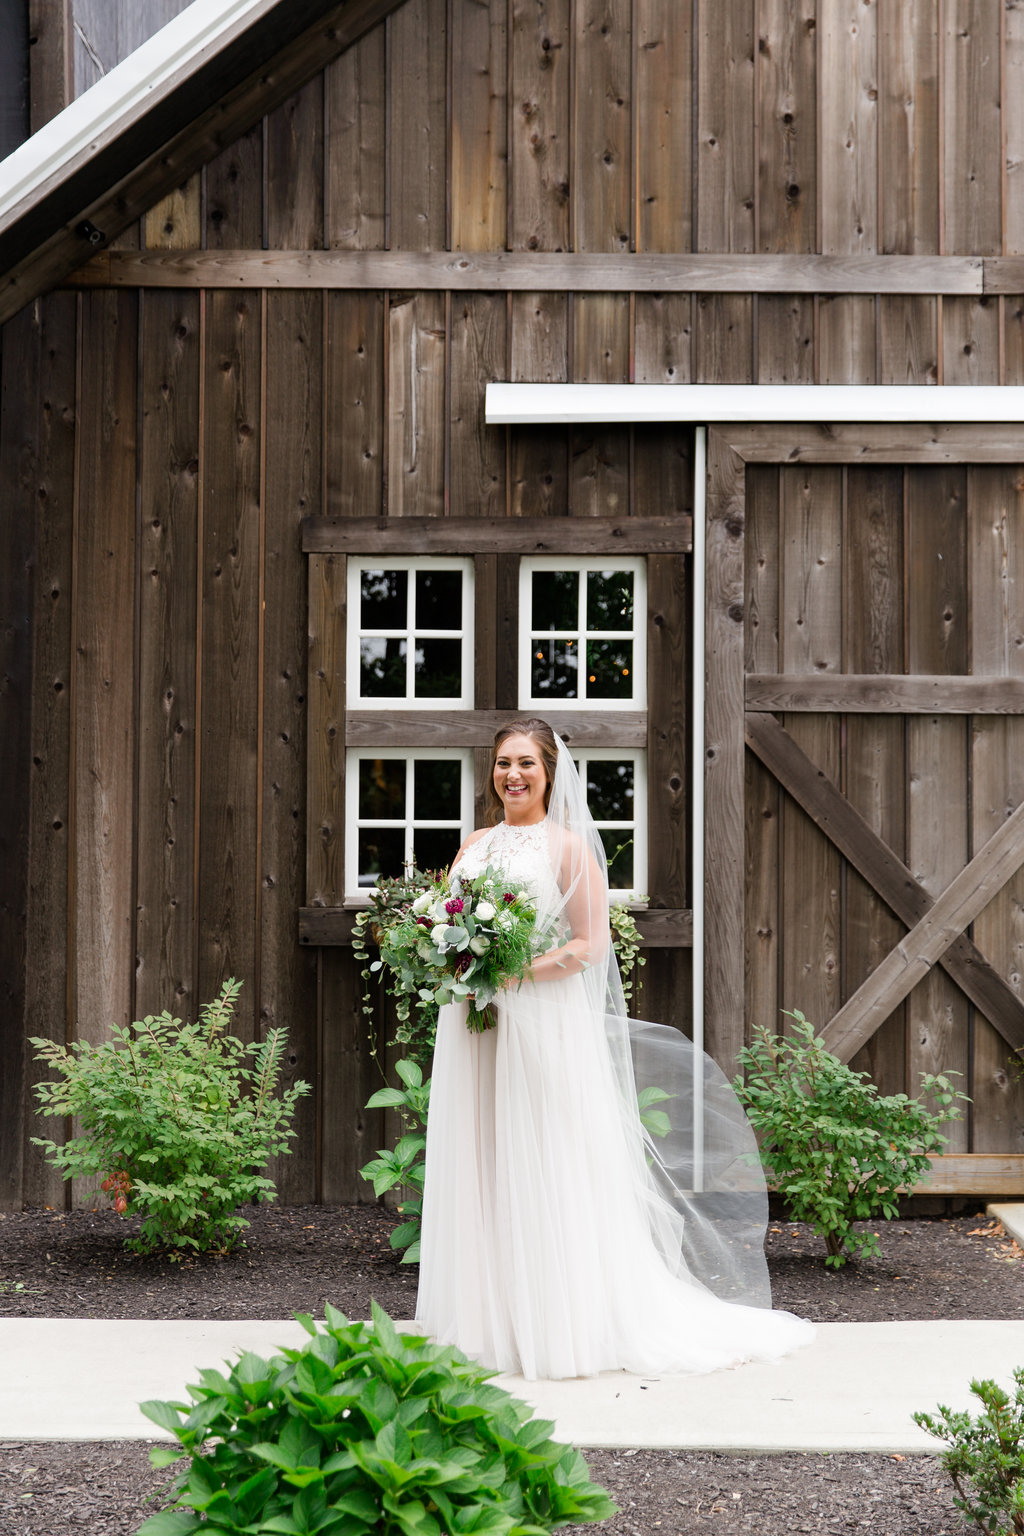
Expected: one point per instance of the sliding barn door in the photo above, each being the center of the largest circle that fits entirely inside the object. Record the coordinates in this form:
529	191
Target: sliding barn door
865	763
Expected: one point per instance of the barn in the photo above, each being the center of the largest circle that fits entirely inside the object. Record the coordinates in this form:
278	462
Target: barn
374	369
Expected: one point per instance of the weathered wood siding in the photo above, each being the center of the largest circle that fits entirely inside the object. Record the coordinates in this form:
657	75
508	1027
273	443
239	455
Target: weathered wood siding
161	449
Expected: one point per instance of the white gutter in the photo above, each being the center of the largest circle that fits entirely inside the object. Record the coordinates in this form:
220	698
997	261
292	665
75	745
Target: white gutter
152	72
535	404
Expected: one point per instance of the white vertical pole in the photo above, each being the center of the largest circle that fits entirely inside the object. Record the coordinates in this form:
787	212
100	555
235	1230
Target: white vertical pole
697	795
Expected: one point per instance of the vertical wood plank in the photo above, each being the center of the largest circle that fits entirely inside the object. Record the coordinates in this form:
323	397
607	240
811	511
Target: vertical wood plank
724	755
937	831
538	353
908	342
175	222
849	126
664	127
972	148
234	195
355	87
785	338
970	340
325	758
909	160
810	640
479	169
1013	126
295	170
723	340
762	796
995	516
541	44
667	737
354	415
42	378
294	479
51	60
20	386
478	353
787	89
847	339
416	405
104	669
874	766
418	165
229	699
601	180
168	529
726	175
662	455
664	332
350	1133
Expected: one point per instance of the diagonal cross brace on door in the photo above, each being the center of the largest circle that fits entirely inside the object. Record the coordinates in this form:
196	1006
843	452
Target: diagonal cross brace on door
937	926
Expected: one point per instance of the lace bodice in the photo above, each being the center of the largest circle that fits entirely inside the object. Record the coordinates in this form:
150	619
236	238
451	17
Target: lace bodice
520	852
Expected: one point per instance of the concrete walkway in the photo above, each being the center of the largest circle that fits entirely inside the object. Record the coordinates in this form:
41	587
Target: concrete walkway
853	1389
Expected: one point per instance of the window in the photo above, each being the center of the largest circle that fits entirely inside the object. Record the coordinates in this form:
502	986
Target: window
582	633
410	633
617	797
405	805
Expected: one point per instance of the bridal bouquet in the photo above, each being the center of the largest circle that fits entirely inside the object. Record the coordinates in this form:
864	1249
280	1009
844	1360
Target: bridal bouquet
461	939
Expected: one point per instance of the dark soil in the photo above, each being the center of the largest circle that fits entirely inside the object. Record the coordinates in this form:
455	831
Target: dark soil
296	1258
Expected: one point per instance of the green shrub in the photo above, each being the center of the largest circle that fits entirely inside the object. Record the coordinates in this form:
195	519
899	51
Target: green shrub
366	1431
986	1456
830	1143
406	1165
175	1121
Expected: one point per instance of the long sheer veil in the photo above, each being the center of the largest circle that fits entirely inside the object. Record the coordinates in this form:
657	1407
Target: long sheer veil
706	1200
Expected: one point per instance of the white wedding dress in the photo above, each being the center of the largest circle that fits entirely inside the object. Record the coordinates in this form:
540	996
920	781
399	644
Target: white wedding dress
548	1248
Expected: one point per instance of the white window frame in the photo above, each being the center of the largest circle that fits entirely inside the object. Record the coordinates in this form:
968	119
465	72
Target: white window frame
637	828
637	566
357	564
356	893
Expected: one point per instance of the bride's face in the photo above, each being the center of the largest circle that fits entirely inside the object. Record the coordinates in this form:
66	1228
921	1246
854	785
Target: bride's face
520	780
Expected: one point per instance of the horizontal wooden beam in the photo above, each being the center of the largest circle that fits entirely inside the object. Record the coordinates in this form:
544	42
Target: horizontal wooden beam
880	694
476	727
539	271
854	442
659	929
974	1173
508	535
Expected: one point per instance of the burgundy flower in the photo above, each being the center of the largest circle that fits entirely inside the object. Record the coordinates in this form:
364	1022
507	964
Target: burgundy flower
462	962
453	906
508	898
423	922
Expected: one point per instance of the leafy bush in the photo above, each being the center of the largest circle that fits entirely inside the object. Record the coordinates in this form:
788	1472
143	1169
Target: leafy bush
366	1431
830	1143
986	1456
406	1165
175	1121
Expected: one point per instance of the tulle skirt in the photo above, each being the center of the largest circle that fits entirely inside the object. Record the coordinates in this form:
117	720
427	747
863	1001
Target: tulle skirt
552	1245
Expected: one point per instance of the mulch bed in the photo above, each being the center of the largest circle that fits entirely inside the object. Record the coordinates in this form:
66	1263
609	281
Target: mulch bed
296	1258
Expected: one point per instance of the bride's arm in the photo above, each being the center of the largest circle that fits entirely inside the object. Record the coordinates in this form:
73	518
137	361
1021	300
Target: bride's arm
587	912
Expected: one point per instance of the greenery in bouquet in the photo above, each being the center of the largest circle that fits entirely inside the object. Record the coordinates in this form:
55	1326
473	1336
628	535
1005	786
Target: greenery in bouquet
460	940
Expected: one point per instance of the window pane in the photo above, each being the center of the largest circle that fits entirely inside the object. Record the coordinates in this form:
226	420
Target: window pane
382	667
381	788
610	791
609	669
437	790
618	847
384	600
555	600
381	852
555	664
609	599
435	847
438	669
439	600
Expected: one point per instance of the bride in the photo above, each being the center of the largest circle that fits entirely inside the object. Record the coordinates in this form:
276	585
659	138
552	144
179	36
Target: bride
559	1238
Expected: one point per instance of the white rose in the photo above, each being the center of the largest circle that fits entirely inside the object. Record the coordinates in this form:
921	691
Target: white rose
485	911
422	903
437	934
479	944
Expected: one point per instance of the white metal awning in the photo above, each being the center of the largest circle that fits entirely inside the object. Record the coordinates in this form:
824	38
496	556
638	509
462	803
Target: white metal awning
536	404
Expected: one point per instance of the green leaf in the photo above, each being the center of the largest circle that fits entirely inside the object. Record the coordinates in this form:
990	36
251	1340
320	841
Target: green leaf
171	1522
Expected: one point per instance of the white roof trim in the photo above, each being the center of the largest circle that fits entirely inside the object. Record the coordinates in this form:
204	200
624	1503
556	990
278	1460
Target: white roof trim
535	404
153	71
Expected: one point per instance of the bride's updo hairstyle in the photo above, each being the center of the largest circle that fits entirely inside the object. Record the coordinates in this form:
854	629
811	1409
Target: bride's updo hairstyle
547	750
